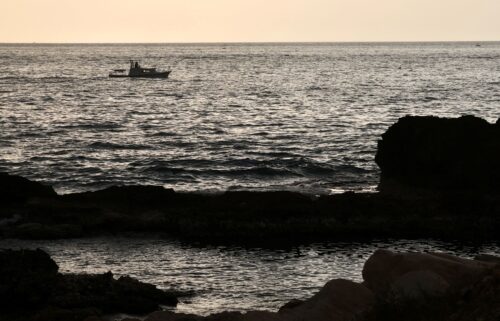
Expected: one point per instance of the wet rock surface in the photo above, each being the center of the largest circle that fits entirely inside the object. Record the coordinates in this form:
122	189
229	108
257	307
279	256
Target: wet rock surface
32	289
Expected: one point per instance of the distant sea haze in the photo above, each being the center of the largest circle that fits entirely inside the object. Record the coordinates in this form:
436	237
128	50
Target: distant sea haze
303	117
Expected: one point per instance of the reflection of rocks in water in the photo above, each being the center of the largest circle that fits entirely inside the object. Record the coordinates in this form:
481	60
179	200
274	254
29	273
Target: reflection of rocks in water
32	289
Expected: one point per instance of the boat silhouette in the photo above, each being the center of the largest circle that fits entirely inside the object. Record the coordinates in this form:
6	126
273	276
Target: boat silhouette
136	71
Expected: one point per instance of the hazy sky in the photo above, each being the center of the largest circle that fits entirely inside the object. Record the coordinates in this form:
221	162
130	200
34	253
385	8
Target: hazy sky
248	20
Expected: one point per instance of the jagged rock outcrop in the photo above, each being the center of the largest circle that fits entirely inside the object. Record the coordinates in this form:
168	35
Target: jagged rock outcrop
457	154
32	289
15	188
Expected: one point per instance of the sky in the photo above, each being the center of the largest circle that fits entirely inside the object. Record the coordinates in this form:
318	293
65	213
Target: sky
128	21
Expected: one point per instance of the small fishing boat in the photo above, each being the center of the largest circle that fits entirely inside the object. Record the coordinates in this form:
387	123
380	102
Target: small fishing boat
136	71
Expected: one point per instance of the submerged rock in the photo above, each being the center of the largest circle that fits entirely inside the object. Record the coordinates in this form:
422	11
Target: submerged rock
440	154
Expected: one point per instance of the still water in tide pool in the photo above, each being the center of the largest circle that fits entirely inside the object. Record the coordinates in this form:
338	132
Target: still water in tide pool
230	278
303	117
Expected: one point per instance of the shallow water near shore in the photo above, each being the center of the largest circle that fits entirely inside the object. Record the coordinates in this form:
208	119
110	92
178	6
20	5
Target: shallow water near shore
303	117
230	278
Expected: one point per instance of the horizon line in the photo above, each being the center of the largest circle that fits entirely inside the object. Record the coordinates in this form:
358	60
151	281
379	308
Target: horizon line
246	42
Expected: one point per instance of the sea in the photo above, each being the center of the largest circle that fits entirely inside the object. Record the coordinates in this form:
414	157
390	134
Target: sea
276	116
231	278
302	117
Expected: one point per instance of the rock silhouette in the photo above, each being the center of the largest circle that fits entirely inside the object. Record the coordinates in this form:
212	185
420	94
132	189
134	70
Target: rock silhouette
15	189
32	289
458	154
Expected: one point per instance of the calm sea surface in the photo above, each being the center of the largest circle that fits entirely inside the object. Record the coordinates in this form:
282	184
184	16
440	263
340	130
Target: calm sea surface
302	117
229	278
241	116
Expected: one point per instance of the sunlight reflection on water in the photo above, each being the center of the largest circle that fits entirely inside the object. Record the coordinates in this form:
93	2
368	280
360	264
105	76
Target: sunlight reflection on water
302	117
229	278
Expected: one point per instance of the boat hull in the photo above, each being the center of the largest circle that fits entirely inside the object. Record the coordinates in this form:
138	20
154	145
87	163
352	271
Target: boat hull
163	75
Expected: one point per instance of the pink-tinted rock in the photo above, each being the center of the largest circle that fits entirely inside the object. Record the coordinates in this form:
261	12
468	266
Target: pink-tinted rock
338	300
386	272
417	284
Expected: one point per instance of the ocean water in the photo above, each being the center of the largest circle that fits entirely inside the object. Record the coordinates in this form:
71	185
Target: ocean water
230	278
302	117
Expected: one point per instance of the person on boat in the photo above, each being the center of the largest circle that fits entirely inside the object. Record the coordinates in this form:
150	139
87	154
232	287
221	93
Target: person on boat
137	65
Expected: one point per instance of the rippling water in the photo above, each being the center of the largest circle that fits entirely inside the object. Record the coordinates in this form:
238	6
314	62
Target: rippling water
229	278
241	116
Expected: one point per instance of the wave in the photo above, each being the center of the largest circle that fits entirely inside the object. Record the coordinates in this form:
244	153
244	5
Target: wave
44	79
108	145
228	172
95	126
246	167
163	134
483	57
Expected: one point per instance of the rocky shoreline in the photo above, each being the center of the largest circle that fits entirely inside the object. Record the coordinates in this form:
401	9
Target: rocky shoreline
31	288
397	286
440	178
241	217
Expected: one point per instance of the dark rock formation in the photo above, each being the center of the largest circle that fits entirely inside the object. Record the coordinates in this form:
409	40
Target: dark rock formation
409	275
32	289
267	218
25	277
432	286
440	179
126	196
440	154
339	300
19	189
